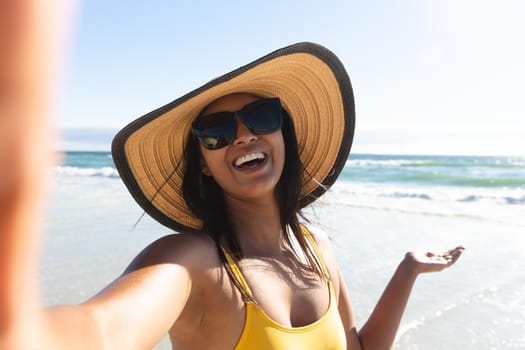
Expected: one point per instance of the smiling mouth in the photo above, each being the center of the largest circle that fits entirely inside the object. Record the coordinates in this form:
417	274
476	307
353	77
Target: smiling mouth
250	160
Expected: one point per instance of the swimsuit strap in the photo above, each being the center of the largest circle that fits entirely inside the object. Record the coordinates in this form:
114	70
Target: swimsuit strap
317	253
243	285
245	289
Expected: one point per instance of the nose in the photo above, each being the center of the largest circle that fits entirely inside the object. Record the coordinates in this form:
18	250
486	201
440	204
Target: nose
244	135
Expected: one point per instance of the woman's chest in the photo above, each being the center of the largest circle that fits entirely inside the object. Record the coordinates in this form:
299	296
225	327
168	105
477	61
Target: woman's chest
289	295
217	309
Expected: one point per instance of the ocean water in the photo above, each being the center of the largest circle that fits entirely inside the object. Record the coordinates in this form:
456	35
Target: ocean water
462	186
381	207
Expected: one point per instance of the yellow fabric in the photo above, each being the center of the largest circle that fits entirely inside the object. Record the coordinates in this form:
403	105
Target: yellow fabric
238	275
260	332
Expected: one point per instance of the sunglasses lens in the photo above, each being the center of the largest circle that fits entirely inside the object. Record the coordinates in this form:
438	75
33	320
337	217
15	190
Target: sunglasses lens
263	117
217	131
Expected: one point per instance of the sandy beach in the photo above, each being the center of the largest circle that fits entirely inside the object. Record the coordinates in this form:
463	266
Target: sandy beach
478	304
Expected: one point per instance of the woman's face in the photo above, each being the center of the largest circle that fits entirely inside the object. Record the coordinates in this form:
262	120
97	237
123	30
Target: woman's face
250	167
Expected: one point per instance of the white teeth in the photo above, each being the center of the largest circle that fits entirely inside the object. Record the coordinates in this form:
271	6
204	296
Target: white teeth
252	156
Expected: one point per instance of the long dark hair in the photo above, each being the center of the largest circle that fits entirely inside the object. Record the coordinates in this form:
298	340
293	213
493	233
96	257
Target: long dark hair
205	198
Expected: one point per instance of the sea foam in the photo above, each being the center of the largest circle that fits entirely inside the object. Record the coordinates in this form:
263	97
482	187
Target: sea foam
76	171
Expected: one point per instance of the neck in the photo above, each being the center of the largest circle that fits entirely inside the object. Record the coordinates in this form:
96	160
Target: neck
257	224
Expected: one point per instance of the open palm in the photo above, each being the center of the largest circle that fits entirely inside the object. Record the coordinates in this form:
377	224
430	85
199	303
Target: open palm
434	262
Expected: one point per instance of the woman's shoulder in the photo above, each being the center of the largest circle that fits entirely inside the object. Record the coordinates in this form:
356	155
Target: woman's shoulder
324	244
193	250
322	241
319	235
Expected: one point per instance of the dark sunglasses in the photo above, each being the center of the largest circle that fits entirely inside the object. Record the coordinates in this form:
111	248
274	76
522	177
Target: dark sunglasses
219	129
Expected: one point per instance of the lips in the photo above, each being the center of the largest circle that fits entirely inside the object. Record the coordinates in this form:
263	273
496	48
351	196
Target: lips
249	160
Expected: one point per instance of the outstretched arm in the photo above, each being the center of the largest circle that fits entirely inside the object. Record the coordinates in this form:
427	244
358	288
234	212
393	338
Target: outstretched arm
30	35
380	330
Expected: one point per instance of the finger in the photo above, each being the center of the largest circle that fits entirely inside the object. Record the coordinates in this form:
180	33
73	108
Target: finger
455	254
447	259
457	249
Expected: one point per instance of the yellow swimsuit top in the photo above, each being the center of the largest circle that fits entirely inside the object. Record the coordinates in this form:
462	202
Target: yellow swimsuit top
260	332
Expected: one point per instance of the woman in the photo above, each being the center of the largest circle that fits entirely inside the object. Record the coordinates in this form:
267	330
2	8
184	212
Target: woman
230	165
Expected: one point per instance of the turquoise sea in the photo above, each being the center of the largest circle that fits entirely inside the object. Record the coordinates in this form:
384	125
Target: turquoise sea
429	171
476	186
380	207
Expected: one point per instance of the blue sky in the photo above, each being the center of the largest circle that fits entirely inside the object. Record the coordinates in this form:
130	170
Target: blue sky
434	77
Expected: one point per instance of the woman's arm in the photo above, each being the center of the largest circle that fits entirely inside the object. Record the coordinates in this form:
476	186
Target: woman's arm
380	330
30	36
157	284
136	310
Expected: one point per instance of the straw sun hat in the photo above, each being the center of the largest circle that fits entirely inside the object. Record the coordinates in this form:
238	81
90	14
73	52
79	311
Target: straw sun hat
314	89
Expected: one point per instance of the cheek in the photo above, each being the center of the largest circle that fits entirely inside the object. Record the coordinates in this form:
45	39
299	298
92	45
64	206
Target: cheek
210	161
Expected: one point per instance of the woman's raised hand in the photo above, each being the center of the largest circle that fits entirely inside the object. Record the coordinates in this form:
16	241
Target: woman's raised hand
422	262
